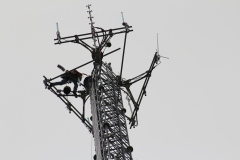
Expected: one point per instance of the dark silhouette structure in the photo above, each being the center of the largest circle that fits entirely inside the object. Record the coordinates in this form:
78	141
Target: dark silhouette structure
105	88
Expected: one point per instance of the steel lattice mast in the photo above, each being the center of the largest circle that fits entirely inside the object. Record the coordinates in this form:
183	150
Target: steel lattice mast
108	116
109	126
108	119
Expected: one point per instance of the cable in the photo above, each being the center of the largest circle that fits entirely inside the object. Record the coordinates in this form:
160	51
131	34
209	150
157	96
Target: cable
91	148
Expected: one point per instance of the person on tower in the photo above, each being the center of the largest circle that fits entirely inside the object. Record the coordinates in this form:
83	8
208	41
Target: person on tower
69	76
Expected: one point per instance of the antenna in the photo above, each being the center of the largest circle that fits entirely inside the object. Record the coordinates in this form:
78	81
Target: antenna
157	44
57	27
122	17
159	56
124	23
92	27
58	34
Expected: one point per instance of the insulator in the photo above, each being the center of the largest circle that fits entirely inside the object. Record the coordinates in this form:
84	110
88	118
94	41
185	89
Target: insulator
66	90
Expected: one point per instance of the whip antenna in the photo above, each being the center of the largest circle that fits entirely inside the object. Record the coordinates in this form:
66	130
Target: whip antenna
157	44
158	50
58	34
122	17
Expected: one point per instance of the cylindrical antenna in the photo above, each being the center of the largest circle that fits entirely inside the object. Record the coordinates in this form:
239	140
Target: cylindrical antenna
57	26
58	34
124	23
122	17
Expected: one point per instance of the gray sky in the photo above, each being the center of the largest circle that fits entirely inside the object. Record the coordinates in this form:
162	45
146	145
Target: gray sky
192	106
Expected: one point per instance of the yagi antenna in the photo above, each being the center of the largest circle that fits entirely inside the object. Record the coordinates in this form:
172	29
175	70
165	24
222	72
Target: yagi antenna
92	27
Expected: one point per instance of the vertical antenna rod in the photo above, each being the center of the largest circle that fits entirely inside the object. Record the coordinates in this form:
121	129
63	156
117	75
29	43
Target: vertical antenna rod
157	44
122	17
58	34
57	27
92	27
159	56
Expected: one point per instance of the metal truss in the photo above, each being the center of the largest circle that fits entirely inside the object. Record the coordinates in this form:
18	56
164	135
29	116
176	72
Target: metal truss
69	105
108	116
127	83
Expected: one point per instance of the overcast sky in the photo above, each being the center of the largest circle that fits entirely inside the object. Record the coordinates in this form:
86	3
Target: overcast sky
192	107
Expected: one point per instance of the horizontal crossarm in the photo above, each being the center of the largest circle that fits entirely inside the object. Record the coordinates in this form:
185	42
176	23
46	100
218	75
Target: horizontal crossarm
82	65
89	35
